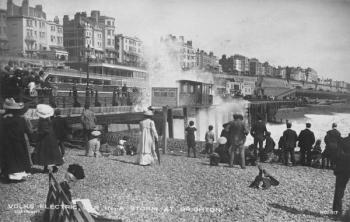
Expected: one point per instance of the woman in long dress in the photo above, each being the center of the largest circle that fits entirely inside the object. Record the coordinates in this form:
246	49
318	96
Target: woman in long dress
15	156
47	150
146	154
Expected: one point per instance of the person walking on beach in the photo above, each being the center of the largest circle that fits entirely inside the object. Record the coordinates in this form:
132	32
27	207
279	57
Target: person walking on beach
146	153
209	140
190	139
47	151
306	141
88	120
61	128
342	173
290	138
258	132
332	140
238	134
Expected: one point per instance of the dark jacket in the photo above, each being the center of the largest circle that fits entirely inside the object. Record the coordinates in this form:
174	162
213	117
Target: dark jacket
60	127
259	130
15	155
47	149
238	132
290	138
306	139
332	139
269	145
342	160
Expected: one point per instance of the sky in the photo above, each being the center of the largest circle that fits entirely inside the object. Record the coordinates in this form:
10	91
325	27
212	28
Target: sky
306	33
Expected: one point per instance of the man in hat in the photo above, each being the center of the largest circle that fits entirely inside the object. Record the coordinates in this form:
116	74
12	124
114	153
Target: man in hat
332	140
290	138
238	133
258	132
306	141
342	173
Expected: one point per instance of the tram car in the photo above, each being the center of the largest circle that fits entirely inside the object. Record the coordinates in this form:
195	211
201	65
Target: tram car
187	93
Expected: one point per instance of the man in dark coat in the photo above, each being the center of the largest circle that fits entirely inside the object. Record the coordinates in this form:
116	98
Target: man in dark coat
238	134
258	132
342	173
290	138
306	141
331	139
61	128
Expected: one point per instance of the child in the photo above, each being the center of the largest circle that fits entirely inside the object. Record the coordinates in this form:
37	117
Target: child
190	138
129	148
120	148
94	145
74	173
264	180
316	155
209	140
250	155
220	154
269	148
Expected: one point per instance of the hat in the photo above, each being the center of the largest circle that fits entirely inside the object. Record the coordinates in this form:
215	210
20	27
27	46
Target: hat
77	171
11	104
121	142
334	125
148	113
95	133
225	124
222	140
44	111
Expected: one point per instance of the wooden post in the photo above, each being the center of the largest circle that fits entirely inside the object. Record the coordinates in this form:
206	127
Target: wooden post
198	124
185	120
165	118
171	123
216	124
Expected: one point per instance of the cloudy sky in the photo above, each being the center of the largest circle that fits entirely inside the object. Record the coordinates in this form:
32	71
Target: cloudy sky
306	33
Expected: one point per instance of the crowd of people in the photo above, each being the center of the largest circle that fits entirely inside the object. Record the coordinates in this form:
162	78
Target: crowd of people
52	132
336	154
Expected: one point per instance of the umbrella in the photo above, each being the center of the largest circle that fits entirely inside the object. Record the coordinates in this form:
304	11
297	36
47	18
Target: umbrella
157	151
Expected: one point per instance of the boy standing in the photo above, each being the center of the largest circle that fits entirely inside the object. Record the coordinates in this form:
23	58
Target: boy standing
190	137
209	140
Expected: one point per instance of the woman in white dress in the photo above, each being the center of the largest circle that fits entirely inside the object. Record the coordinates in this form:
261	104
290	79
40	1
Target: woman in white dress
146	154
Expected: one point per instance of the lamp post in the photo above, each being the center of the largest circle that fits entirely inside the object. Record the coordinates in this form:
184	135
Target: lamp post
87	92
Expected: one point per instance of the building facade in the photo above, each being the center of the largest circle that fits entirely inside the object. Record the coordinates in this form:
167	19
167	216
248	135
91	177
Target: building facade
297	74
3	31
30	34
129	50
180	50
90	36
311	75
241	65
255	67
268	69
207	61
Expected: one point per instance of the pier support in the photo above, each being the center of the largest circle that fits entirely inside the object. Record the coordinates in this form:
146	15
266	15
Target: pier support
198	124
165	117
171	123
184	110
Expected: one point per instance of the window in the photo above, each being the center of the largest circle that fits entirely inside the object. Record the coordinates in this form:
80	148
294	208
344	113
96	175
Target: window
109	32
35	33
108	42
108	22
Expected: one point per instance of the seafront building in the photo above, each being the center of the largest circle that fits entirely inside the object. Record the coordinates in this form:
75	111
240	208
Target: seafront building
129	49
182	51
30	34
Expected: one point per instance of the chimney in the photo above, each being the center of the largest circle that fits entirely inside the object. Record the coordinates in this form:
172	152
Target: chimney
95	15
25	8
9	8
